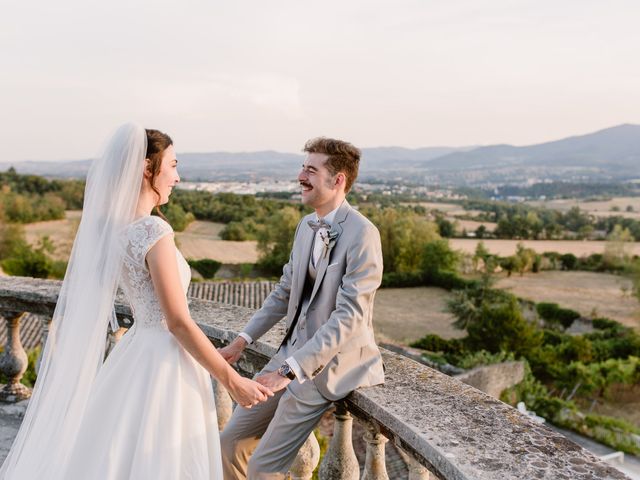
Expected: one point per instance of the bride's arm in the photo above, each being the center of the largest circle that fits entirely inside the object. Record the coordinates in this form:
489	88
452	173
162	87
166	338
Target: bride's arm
163	267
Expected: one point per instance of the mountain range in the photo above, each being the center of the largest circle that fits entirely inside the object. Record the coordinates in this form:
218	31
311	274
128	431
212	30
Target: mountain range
612	154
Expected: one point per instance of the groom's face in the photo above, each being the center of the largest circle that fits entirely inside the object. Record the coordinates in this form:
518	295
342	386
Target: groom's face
318	186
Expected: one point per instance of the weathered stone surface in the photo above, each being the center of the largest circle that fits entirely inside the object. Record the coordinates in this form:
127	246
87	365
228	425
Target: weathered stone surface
493	379
456	431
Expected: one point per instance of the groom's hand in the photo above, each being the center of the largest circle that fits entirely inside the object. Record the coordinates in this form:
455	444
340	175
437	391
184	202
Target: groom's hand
232	352
273	381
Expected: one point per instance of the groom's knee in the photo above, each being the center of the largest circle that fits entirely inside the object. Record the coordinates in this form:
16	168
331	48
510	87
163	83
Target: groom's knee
235	446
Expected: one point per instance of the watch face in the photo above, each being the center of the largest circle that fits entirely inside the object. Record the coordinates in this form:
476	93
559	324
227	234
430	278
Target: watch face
285	371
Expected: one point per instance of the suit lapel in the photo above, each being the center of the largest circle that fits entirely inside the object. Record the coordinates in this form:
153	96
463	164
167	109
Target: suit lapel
323	263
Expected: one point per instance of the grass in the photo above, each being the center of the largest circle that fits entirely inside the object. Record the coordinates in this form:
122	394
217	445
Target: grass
585	292
402	315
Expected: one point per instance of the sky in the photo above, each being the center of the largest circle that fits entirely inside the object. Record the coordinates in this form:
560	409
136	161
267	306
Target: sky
252	75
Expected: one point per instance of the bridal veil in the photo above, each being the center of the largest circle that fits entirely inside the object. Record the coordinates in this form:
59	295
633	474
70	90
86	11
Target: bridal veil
75	347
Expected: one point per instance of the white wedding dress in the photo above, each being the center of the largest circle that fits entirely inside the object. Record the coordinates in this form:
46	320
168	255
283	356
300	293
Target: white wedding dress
151	412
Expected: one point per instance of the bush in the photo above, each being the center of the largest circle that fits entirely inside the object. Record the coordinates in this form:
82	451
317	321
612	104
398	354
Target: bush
568	261
235	231
28	262
400	280
482	357
553	313
435	343
501	327
605	324
205	267
447	280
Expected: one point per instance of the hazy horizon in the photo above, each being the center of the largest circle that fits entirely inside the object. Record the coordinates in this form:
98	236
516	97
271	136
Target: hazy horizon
219	76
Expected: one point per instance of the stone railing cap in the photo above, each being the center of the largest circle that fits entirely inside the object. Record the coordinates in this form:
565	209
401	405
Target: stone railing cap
453	429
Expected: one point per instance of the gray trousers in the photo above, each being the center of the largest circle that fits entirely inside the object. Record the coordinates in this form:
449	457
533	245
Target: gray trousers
273	431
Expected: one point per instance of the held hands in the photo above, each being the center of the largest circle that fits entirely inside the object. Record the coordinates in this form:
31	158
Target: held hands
273	380
248	393
232	352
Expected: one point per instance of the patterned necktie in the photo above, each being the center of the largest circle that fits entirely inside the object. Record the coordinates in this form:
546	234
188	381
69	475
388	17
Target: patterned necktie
315	226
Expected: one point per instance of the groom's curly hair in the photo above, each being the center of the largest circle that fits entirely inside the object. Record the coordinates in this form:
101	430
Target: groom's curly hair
343	157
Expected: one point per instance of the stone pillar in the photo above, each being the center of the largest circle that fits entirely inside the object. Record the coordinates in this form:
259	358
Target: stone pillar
13	361
306	461
374	467
46	324
224	404
340	462
416	470
113	338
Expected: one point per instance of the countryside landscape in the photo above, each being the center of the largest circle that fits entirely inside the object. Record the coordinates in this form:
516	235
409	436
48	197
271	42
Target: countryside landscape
491	254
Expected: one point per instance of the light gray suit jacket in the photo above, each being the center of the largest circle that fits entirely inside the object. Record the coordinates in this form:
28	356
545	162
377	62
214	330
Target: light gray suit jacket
340	354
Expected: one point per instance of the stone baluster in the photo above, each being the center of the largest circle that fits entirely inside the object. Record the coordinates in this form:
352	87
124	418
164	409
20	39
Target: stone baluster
306	461
224	404
46	325
112	339
340	462
374	467
417	471
13	361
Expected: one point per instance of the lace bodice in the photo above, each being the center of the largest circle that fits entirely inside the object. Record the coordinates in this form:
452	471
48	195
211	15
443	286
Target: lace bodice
135	281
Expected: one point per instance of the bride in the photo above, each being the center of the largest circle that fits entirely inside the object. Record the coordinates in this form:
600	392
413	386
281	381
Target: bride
148	411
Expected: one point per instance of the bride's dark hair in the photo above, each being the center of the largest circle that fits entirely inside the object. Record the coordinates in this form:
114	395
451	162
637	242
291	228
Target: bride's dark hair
157	143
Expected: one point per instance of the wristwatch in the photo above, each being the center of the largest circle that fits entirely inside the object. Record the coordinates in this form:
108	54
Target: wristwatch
285	371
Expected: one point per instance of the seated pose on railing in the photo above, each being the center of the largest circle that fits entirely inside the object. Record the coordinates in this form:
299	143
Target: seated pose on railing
326	293
148	412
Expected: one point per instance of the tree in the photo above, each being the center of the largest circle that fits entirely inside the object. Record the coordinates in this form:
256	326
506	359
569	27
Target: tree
403	235
275	239
616	250
177	217
501	327
445	227
438	256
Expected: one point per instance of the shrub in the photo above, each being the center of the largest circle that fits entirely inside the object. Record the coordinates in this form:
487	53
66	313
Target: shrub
502	327
435	343
553	313
402	279
205	267
568	261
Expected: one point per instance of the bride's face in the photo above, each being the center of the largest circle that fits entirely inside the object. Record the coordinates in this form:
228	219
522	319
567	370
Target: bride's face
168	176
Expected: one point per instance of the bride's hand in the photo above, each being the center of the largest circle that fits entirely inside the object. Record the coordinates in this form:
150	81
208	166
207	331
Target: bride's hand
248	393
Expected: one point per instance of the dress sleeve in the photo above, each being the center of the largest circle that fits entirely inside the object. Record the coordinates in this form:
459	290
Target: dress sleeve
148	232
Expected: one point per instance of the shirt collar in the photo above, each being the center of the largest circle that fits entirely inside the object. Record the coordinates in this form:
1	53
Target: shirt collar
328	218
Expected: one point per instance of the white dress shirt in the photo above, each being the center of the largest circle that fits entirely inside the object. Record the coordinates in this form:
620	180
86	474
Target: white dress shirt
317	251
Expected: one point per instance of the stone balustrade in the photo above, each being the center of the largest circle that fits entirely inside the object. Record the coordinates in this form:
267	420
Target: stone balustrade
443	427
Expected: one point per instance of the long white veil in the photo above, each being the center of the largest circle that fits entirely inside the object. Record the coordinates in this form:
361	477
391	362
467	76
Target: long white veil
75	346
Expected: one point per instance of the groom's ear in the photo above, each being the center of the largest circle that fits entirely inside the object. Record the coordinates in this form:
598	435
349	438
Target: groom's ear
340	180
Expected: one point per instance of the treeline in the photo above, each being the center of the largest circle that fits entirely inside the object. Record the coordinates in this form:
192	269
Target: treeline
30	198
242	214
521	221
565	371
567	190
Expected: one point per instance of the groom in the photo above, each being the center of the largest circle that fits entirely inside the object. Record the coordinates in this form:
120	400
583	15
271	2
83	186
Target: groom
326	295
